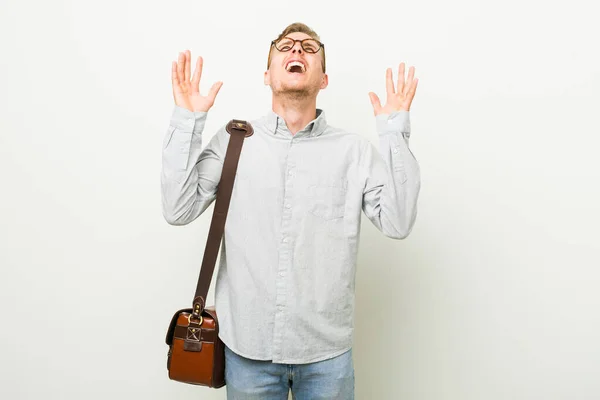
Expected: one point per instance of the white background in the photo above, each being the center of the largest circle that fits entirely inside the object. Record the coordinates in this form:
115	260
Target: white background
494	295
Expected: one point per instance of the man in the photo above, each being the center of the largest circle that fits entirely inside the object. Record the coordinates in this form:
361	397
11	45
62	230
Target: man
285	286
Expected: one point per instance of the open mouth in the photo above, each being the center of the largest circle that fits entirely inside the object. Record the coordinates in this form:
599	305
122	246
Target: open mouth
295	67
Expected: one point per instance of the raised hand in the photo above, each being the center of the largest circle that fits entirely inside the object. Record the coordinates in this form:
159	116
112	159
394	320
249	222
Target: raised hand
186	92
396	100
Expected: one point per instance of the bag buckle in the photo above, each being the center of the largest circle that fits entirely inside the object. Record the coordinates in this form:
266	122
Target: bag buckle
240	125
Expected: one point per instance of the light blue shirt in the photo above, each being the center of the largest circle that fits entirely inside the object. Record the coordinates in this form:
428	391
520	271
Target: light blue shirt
286	276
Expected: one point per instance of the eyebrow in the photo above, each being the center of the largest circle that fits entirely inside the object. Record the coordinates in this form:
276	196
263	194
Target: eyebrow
299	39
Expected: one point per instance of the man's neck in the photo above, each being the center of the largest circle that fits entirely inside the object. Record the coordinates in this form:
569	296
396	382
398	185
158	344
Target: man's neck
296	113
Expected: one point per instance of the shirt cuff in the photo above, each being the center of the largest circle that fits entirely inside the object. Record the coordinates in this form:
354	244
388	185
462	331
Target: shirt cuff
397	121
187	120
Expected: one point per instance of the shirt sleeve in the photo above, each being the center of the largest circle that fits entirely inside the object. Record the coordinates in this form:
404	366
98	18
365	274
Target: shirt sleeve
391	176
190	174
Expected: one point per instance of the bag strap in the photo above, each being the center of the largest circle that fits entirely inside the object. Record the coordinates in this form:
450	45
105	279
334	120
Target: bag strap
238	131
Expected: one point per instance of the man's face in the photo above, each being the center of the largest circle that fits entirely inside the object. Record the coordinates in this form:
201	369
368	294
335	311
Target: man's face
294	81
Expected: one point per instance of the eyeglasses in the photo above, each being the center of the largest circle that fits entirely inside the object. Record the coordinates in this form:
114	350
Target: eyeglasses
309	45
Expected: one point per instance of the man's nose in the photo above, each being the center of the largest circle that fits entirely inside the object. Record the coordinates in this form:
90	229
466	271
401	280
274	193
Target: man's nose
297	46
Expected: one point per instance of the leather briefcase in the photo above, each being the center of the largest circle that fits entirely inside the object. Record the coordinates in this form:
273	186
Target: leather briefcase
196	353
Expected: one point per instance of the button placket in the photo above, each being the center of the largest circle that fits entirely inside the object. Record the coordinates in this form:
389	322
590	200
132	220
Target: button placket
284	263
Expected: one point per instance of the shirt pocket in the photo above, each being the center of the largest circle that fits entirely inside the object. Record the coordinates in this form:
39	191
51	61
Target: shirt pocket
327	198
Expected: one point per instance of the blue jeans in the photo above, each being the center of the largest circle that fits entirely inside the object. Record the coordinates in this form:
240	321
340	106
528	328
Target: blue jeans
248	379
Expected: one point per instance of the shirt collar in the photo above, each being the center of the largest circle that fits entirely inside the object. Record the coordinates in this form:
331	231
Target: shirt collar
316	127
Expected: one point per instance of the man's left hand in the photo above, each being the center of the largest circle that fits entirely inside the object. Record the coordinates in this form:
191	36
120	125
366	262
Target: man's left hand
396	100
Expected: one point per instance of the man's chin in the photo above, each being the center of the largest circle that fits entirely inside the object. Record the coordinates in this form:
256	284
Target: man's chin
294	91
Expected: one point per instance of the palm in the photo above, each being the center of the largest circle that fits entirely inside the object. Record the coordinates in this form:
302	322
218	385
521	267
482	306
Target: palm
399	99
186	91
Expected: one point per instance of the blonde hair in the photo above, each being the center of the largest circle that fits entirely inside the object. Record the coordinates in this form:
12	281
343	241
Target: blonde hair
297	27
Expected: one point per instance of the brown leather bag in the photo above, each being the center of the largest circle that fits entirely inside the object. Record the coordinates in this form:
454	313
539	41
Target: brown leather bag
196	353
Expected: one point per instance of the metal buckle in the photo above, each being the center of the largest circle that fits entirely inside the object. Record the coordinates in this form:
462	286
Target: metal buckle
189	319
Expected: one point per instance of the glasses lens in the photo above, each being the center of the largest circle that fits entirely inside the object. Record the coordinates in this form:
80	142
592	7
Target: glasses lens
284	44
310	46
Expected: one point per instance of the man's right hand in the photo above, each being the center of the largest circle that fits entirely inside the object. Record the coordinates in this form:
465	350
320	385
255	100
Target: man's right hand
186	92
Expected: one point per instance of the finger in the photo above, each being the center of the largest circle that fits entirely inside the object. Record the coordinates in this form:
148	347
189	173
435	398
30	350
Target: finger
389	84
197	75
180	65
413	89
401	78
409	80
375	102
188	65
410	94
214	90
174	78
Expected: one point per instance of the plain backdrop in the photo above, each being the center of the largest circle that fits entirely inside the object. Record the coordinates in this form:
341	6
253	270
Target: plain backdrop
493	296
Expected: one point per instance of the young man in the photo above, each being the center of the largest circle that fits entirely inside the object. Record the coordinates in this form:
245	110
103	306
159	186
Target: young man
285	285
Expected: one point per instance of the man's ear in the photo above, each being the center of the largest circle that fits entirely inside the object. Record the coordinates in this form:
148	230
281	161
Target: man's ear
324	81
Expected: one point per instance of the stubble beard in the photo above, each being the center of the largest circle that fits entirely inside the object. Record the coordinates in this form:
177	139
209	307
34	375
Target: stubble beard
294	93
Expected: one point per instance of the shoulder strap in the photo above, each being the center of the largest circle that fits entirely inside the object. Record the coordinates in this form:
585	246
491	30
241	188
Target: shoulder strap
238	131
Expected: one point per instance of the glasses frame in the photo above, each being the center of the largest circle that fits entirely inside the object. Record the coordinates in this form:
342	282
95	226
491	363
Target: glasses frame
321	45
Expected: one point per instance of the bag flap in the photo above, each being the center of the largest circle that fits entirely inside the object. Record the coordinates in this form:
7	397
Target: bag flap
171	330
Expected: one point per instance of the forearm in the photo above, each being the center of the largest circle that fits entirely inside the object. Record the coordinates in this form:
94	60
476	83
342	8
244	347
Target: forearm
391	201
183	197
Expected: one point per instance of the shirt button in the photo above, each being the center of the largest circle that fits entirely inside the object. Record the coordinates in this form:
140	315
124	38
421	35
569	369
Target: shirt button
285	240
289	172
288	206
395	150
